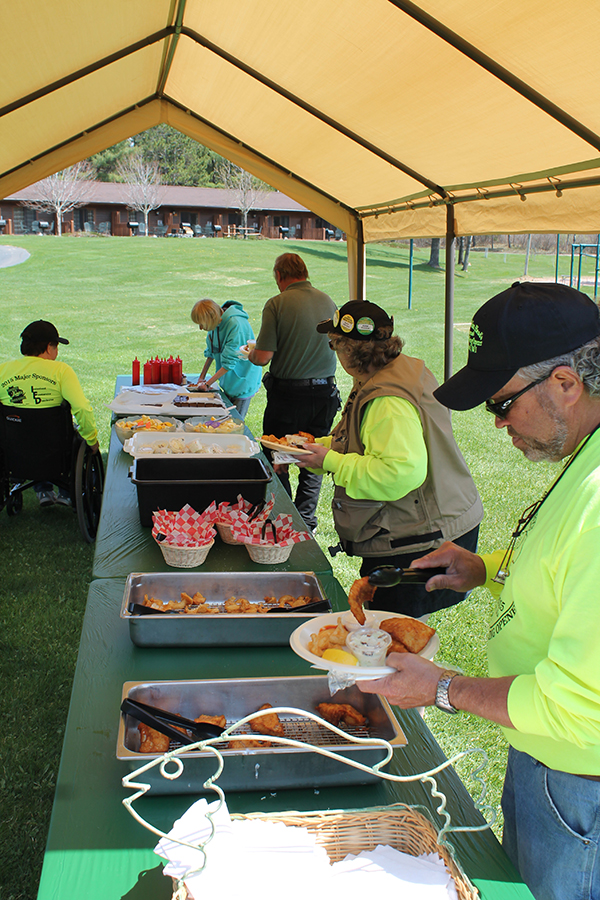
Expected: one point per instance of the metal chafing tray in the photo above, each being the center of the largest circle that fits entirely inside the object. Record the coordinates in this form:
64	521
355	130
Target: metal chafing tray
266	768
224	629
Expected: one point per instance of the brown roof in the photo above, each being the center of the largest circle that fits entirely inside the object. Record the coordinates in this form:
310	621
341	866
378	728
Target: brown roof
106	192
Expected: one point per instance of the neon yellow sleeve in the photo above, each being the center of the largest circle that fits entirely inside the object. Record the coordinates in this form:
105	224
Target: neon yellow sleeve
395	456
79	403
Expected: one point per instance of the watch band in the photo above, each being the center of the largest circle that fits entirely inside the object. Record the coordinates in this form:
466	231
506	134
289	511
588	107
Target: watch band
442	700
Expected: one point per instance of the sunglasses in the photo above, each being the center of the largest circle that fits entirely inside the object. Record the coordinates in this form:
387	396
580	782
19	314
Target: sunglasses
501	408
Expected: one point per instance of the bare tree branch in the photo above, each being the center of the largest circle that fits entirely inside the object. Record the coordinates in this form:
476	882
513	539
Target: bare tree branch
143	185
248	191
66	190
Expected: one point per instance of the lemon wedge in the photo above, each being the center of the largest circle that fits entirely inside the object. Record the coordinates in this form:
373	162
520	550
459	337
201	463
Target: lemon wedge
340	656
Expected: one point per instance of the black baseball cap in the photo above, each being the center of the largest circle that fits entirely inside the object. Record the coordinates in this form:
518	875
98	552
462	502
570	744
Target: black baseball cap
43	332
357	319
526	324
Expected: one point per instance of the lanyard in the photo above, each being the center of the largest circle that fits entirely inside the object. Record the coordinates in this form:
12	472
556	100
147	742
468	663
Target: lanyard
529	514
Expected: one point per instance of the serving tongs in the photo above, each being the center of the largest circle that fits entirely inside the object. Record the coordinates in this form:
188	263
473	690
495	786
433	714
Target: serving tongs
390	576
322	605
163	721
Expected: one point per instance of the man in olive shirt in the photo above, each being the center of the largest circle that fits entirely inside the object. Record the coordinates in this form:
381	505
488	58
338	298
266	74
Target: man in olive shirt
301	390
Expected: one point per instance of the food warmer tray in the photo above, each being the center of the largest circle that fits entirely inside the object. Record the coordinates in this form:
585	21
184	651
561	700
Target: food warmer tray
267	768
224	629
229	445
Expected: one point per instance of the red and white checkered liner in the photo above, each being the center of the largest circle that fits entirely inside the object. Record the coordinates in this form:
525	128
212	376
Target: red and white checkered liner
250	532
186	528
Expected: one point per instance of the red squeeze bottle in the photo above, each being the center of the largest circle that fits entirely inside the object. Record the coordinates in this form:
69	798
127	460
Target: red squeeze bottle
155	363
148	372
171	362
177	371
135	371
164	371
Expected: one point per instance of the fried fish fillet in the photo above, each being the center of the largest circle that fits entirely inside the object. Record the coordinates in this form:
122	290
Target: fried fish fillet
340	712
360	593
152	741
267	724
412	633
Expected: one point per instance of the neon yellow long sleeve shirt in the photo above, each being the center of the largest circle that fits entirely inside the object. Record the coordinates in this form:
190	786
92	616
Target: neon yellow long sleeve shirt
395	456
546	625
32	382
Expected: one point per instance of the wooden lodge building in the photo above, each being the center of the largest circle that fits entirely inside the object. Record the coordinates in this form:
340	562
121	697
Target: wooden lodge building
184	211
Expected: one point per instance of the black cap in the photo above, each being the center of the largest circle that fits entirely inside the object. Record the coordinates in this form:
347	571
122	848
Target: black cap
43	332
526	324
357	319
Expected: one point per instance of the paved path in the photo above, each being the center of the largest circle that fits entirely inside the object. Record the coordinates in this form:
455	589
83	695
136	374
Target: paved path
12	256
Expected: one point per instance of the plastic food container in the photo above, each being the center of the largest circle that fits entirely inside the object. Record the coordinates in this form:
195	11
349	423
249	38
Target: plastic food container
127	428
215	425
194	445
369	645
171	482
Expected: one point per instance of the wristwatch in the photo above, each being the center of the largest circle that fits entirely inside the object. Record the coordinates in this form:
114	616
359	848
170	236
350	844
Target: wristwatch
442	701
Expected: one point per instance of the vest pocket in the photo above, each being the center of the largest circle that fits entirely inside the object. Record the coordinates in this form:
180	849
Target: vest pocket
356	520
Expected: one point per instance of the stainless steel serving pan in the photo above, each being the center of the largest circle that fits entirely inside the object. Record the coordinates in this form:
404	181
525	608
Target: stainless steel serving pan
224	629
265	768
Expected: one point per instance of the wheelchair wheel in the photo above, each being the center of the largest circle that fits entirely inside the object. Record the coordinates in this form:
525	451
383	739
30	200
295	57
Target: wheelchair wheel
14	503
89	484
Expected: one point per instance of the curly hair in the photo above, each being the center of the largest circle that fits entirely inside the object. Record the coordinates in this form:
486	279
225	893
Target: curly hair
367	355
584	360
207	314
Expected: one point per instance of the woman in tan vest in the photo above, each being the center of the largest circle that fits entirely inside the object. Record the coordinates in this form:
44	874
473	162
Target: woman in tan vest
402	485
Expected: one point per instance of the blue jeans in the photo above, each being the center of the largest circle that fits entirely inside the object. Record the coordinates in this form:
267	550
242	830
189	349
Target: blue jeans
552	829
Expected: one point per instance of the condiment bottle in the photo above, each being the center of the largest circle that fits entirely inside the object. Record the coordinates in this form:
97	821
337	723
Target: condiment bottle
164	371
148	372
155	363
135	371
177	371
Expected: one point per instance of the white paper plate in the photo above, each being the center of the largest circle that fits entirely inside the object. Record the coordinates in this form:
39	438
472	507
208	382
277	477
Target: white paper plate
294	451
300	638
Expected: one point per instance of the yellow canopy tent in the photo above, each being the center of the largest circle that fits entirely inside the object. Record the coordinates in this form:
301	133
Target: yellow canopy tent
387	118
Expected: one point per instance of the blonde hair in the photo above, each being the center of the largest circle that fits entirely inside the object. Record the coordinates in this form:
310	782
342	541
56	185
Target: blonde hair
207	314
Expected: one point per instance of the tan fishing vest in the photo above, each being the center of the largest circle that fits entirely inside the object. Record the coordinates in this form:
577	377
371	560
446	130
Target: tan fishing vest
446	505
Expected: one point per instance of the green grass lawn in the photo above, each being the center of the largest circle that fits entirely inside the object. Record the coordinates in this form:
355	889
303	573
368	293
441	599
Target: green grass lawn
116	298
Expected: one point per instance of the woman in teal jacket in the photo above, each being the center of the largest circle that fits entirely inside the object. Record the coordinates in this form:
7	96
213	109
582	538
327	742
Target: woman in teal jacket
228	329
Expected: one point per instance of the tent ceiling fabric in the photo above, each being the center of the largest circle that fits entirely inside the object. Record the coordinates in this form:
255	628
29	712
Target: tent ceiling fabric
373	113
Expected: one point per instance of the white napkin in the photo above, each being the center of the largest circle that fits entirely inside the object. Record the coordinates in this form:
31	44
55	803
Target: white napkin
275	860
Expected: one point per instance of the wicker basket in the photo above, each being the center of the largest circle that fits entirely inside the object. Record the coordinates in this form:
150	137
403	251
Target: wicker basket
268	553
225	534
397	826
184	557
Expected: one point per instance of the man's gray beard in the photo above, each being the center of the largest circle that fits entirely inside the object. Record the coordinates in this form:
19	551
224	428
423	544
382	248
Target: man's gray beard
551	450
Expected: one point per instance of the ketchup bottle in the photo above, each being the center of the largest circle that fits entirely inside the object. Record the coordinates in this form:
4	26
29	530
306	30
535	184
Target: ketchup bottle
135	371
164	371
148	372
155	363
171	362
177	371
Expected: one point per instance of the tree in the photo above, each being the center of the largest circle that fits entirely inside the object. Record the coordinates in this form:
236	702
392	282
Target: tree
248	191
62	192
106	162
434	255
181	159
143	191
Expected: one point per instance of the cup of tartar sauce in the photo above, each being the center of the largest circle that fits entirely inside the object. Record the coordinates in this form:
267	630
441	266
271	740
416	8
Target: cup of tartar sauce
369	645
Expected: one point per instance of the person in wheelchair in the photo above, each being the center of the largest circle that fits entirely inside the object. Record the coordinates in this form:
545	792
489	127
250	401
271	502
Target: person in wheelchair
38	380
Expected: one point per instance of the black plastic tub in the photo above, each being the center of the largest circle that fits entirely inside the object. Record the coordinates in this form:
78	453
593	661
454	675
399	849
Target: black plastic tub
171	483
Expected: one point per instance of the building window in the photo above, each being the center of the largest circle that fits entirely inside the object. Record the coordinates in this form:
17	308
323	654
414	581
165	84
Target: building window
281	221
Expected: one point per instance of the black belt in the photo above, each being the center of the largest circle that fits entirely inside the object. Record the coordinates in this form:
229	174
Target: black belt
303	382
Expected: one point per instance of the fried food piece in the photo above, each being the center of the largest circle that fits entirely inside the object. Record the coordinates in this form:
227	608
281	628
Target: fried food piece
197	600
308	438
249	743
328	637
412	633
360	592
232	605
340	712
221	721
152	741
396	647
268	724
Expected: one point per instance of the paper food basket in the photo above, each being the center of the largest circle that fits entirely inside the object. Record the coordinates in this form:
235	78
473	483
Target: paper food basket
402	827
184	557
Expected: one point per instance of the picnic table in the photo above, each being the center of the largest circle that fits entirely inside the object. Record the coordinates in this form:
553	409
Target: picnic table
95	848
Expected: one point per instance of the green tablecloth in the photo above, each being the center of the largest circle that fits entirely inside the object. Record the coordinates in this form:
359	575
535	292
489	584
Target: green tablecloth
95	848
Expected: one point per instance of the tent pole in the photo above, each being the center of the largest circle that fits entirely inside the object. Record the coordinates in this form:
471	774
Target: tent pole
355	248
449	291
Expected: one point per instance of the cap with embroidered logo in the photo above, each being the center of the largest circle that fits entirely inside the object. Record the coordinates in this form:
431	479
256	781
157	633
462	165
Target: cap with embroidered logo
526	324
359	320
